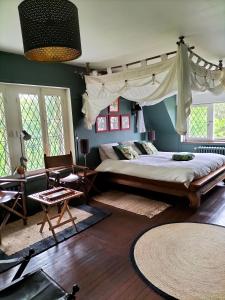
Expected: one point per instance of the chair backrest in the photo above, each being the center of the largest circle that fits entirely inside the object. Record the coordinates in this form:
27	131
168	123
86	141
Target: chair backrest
58	161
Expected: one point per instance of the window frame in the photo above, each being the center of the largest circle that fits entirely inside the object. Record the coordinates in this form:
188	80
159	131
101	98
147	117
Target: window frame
14	119
210	125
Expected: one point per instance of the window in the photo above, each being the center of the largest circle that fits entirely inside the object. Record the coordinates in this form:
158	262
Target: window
45	113
4	150
207	122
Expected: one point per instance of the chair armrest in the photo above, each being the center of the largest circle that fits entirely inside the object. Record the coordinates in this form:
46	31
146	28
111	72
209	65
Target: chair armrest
78	168
11	260
6	183
58	170
14	180
56	173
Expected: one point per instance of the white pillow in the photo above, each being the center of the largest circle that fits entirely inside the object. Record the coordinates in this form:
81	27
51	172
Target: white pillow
106	151
131	143
102	154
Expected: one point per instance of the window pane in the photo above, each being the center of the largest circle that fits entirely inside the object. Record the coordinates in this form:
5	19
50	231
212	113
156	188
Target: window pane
198	122
31	122
219	121
5	168
55	125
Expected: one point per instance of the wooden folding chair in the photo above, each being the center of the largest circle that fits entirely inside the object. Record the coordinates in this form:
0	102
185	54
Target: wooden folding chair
13	202
35	285
61	171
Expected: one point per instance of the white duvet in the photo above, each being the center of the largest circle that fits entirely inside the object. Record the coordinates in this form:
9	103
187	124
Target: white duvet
160	166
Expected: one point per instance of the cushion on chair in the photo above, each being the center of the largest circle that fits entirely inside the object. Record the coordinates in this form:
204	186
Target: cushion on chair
6	196
70	178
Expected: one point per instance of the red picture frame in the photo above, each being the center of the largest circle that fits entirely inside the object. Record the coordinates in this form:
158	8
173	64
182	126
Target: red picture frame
125	122
114	122
101	124
115	106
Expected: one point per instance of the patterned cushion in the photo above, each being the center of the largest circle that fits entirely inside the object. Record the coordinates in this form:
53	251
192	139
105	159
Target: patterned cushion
132	144
183	156
125	152
146	147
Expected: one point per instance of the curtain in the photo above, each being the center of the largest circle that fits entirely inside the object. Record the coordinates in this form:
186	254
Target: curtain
140	122
151	84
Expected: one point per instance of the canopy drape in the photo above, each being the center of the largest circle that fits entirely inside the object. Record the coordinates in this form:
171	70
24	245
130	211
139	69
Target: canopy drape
151	84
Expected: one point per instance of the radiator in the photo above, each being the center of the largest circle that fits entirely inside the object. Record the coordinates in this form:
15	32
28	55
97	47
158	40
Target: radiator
209	149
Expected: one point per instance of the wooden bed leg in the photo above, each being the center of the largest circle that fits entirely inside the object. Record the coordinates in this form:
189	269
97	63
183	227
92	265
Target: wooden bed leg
195	199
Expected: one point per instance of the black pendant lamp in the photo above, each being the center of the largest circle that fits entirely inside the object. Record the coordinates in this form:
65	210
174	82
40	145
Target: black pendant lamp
50	30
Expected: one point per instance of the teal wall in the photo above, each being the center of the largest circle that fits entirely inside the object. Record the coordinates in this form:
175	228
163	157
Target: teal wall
162	118
108	137
16	69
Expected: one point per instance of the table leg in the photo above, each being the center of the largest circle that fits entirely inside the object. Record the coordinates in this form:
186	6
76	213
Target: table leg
69	213
43	223
45	209
63	209
24	205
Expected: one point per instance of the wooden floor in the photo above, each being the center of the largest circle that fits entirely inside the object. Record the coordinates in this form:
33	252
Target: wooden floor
98	259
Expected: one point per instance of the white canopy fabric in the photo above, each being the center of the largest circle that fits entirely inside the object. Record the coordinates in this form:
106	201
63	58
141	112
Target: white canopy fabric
151	84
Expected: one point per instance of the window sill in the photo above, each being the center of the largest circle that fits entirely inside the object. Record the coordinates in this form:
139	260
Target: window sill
204	142
35	177
29	177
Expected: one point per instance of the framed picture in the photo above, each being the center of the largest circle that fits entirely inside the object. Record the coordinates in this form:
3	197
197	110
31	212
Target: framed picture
114	107
101	124
114	122
125	122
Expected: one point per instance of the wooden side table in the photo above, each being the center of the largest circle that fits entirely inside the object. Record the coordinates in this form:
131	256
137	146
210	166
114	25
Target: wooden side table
89	181
51	198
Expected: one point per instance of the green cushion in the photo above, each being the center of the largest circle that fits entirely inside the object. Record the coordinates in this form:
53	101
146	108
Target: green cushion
183	156
125	152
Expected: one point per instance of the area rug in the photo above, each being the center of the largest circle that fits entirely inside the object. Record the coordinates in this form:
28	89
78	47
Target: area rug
133	203
183	260
17	239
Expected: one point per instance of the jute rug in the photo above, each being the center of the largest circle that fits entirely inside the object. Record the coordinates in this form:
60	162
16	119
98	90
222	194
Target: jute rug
183	260
133	203
17	238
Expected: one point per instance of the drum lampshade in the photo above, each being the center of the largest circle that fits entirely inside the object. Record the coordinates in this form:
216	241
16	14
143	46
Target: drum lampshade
50	30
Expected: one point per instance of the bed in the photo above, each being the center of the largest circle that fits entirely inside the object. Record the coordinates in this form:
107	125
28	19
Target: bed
159	173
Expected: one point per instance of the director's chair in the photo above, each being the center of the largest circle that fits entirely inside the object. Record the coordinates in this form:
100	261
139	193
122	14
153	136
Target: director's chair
37	285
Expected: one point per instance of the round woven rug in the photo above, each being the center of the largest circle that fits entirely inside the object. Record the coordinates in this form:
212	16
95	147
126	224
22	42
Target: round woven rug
183	260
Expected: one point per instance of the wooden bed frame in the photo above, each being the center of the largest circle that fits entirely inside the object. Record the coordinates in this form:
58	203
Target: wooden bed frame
197	187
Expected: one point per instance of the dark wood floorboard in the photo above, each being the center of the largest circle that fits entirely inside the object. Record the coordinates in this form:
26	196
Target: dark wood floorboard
98	258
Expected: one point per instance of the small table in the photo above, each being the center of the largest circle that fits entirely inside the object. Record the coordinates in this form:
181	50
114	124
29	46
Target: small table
53	197
89	180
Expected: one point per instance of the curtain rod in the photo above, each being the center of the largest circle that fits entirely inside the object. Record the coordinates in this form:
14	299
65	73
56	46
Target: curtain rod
219	66
181	40
150	58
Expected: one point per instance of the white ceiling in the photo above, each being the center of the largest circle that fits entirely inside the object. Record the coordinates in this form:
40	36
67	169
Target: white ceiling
121	31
